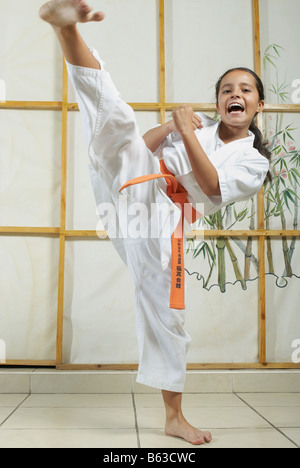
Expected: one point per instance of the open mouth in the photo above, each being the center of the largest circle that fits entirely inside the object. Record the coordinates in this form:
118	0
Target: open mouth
236	108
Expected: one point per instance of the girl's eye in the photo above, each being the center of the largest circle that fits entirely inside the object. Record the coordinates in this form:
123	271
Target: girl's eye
247	90
226	91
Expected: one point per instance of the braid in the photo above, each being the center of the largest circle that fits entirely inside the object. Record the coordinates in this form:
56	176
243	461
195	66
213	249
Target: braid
260	145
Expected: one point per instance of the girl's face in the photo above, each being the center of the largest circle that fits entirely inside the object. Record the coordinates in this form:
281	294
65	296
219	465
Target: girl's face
238	100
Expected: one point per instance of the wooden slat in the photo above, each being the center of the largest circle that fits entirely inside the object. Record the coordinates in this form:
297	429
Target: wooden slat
162	64
256	24
244	233
244	365
140	106
192	366
29	362
81	233
60	301
288	108
32	105
260	207
29	230
61	274
103	234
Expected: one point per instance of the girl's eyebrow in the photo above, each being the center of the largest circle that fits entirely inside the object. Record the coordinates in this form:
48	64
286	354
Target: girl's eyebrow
241	84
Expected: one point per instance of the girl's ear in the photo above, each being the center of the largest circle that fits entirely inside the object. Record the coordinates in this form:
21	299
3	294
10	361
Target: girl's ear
261	106
218	108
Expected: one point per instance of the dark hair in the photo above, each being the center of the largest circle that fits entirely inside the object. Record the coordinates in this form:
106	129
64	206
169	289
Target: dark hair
259	144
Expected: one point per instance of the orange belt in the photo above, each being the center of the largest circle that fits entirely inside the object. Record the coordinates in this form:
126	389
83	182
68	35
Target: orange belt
179	195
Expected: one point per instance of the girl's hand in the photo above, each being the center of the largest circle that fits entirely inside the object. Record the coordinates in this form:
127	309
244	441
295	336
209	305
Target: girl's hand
185	119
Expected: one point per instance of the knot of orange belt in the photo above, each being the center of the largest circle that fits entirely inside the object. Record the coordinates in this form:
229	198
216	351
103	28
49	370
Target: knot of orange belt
178	195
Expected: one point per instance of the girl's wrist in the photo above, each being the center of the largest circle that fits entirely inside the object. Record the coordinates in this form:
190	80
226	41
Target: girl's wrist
170	126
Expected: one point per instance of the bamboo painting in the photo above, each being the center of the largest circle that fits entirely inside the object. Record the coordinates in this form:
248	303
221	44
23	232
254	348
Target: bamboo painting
281	201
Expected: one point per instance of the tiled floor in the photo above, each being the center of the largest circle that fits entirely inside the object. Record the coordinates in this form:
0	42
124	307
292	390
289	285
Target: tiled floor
246	420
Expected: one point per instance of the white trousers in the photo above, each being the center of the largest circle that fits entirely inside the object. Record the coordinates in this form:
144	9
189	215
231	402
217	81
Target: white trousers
118	154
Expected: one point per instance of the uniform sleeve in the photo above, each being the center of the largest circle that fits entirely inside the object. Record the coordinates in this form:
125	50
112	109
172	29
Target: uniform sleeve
242	180
166	143
175	137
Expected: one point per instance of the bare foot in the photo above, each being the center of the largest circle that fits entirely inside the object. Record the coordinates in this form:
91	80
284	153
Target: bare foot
179	427
63	13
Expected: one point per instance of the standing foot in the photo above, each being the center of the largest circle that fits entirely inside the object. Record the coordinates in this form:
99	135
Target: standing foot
179	427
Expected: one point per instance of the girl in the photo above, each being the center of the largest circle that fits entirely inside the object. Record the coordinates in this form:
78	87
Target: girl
204	162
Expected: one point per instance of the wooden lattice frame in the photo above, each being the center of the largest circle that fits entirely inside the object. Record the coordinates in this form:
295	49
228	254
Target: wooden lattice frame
62	233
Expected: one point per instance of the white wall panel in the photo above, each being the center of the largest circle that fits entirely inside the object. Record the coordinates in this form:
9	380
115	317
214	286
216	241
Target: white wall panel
203	40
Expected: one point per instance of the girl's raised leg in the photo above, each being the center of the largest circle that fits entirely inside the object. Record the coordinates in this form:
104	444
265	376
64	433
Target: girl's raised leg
63	15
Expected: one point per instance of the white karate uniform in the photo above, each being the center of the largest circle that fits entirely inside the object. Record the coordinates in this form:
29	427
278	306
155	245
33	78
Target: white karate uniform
118	154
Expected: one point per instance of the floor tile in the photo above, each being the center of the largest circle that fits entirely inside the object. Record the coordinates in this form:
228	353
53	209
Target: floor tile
75	418
271	399
53	381
68	438
4	413
191	400
11	399
281	416
78	400
211	399
208	381
292	433
12	381
219	417
271	381
222	438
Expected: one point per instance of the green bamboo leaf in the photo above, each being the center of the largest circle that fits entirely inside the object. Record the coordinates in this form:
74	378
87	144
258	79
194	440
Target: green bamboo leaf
209	221
211	254
198	250
275	47
283	180
269	60
290	136
287	196
291	192
283	96
282	164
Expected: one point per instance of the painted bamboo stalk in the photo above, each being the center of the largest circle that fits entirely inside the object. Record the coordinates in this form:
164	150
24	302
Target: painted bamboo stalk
212	265
235	264
221	254
248	252
285	248
253	259
295	225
